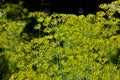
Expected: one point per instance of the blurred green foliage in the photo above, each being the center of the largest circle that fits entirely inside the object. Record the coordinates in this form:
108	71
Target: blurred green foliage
36	46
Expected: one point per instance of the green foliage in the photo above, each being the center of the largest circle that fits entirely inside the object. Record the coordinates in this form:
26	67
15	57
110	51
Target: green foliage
9	39
14	11
67	47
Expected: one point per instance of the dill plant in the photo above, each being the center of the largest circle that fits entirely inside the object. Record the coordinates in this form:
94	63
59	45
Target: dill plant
67	47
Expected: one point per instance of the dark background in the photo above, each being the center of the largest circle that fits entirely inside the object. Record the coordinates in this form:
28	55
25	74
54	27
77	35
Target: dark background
62	6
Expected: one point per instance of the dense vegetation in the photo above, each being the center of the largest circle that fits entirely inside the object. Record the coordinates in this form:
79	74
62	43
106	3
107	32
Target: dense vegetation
37	46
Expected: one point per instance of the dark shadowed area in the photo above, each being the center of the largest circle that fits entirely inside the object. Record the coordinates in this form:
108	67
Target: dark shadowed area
62	6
